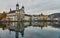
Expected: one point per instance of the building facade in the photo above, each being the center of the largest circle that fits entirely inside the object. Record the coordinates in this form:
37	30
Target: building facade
39	17
16	15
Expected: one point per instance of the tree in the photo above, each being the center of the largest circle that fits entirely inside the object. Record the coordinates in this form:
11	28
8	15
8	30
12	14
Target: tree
4	15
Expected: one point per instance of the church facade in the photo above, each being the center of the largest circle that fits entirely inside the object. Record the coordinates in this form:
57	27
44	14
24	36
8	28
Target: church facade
16	15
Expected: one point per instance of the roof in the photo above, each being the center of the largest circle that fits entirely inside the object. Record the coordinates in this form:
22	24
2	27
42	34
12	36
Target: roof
13	11
17	4
36	15
27	15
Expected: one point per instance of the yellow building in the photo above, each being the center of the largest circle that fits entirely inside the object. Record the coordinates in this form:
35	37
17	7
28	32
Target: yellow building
43	17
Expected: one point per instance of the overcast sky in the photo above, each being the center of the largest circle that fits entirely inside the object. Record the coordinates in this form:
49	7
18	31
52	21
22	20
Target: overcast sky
32	6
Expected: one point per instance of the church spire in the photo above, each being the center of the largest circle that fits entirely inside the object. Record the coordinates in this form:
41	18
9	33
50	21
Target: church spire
17	6
10	9
22	8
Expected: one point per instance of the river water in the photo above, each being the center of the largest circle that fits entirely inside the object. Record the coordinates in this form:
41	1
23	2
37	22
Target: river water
31	30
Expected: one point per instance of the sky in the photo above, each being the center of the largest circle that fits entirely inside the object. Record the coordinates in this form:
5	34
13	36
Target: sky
32	6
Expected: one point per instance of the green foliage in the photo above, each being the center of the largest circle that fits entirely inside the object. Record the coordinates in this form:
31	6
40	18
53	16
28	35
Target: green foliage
4	15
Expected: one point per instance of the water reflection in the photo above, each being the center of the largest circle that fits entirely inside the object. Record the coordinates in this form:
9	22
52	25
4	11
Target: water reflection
3	26
20	27
55	24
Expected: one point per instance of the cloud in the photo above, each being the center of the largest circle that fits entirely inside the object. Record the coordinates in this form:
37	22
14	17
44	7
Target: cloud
31	6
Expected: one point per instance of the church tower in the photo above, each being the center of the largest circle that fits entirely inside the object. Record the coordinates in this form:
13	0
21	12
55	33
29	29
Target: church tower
17	6
17	12
22	8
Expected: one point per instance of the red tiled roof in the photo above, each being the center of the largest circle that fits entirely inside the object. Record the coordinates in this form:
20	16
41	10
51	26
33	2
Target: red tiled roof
13	11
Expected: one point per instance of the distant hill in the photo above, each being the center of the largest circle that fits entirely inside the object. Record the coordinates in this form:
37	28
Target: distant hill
54	15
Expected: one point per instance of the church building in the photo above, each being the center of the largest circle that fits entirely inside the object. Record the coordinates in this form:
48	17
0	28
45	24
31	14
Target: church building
17	14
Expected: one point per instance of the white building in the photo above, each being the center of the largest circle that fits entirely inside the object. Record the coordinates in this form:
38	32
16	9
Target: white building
13	13
35	17
16	15
27	17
